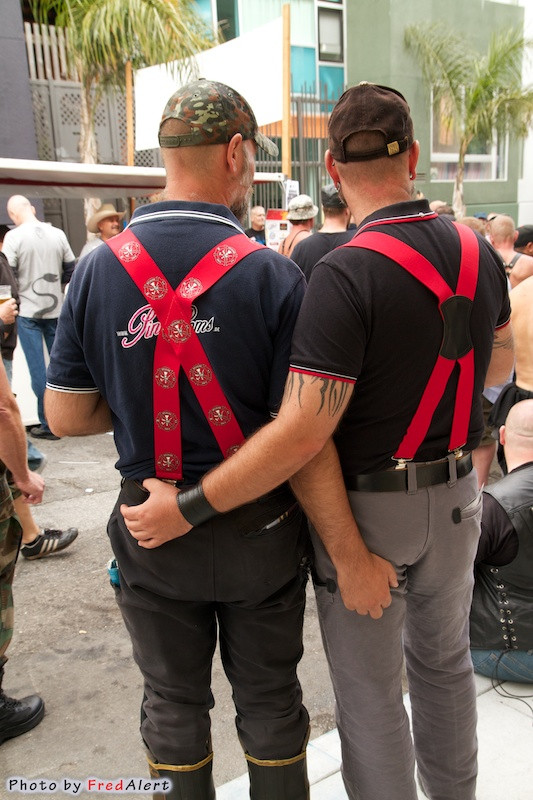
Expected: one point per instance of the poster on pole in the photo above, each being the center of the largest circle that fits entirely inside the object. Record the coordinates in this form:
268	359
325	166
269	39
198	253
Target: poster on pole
277	227
291	190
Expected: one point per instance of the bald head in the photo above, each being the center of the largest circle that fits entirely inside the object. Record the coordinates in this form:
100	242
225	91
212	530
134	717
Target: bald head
20	209
502	231
517	434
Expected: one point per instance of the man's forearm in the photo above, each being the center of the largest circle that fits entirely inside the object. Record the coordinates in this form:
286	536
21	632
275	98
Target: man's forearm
364	578
308	416
266	460
319	487
311	410
502	358
13	439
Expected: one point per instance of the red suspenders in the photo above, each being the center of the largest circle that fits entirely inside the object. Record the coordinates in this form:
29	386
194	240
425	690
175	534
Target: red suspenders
178	346
456	347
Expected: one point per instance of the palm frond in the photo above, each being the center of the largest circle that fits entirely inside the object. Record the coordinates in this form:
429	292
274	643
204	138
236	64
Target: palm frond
505	56
105	34
145	33
485	90
496	100
445	62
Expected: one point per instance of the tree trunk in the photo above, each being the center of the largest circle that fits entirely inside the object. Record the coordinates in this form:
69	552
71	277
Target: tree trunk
87	147
458	203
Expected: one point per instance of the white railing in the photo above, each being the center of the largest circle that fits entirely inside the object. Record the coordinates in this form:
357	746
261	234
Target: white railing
46	49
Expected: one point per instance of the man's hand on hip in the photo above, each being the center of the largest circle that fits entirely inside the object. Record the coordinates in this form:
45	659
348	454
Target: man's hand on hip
365	584
158	519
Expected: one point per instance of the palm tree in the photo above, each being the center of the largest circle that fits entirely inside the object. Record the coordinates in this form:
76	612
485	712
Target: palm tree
108	38
483	92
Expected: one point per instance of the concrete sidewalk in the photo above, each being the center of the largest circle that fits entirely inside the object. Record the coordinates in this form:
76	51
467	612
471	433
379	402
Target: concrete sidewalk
70	646
505	736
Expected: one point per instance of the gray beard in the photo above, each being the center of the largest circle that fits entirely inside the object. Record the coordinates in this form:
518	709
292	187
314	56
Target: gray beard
240	207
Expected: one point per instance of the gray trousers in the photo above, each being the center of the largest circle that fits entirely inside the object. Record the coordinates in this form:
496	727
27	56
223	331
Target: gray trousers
428	622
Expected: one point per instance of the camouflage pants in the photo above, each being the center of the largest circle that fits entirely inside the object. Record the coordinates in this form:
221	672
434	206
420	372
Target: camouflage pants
10	536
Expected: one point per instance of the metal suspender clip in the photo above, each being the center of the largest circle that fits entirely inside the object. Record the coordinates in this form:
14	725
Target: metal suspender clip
401	463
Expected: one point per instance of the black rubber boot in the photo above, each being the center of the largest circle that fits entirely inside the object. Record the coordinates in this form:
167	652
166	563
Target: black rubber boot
285	779
189	781
18	716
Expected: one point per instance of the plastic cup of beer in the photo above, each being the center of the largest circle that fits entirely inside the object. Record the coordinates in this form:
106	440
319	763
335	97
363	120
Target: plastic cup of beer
5	292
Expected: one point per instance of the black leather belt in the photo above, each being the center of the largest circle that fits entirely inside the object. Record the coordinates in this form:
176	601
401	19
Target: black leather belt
395	480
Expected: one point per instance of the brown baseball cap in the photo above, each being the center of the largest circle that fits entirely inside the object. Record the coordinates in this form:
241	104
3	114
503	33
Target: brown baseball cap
215	113
370	107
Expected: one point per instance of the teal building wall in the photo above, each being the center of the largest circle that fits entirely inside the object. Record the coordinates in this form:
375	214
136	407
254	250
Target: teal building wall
382	58
374	51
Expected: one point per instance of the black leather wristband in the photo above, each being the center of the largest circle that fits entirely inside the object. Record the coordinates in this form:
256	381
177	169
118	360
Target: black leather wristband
194	505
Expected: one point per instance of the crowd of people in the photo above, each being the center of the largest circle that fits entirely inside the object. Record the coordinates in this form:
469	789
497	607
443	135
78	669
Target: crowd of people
311	430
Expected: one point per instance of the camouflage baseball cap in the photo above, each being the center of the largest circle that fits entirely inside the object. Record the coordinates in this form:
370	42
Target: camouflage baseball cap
215	113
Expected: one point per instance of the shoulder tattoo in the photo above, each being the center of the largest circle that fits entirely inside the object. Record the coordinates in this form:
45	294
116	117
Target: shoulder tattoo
332	393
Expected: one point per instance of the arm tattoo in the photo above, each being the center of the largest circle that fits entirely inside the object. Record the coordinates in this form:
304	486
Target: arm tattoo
289	386
332	394
506	343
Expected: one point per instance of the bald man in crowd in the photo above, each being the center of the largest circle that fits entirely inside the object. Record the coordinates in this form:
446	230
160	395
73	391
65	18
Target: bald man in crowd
503	235
502	646
256	231
522	386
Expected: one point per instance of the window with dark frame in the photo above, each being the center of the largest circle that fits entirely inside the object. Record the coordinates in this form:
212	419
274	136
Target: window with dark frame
330	35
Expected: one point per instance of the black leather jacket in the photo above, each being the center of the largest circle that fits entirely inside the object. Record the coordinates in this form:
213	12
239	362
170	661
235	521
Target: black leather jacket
502	608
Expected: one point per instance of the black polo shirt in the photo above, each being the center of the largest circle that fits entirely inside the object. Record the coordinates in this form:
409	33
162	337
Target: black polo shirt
367	321
309	252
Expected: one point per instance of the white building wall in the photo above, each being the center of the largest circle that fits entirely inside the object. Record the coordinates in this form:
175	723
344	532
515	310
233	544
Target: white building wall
525	185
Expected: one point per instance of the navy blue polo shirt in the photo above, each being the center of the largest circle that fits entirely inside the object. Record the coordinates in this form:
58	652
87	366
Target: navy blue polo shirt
106	335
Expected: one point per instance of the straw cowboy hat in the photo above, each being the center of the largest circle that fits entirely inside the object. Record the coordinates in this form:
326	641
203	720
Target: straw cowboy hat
105	210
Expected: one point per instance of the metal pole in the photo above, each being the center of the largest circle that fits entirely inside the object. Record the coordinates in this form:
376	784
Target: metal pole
130	150
286	119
